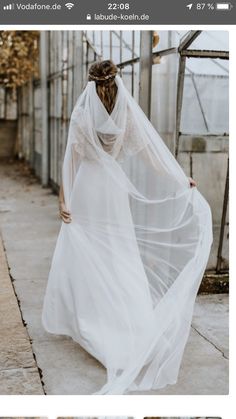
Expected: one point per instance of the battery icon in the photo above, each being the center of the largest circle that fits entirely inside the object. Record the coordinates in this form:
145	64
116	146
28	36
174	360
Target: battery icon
224	6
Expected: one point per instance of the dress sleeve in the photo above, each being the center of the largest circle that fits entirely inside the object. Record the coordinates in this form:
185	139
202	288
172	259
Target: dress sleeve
77	136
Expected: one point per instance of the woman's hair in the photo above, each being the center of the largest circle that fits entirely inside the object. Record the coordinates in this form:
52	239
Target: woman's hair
103	73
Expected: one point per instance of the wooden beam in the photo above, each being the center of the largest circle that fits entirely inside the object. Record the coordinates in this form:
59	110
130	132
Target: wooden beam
145	75
192	35
179	101
44	109
164	52
223	221
185	53
78	66
154	55
205	54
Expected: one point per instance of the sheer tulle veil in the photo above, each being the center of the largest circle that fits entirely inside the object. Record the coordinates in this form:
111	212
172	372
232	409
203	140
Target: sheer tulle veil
168	235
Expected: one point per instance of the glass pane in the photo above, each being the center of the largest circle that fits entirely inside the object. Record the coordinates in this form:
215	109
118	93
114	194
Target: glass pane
212	40
164	90
205	98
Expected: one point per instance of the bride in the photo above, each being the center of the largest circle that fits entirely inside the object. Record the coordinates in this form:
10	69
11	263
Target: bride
133	245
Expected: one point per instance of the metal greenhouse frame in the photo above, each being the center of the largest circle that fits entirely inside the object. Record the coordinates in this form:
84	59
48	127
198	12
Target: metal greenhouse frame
45	105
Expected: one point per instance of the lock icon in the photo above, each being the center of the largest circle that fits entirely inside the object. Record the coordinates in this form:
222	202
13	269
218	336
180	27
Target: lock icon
88	16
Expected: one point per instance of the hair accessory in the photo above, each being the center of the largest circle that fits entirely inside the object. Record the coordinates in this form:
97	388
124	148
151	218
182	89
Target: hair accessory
101	78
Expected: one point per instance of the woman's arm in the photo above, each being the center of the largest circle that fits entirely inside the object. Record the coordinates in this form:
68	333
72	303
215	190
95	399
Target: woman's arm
65	215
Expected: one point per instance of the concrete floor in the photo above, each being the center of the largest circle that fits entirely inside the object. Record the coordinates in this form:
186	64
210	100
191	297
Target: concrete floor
29	225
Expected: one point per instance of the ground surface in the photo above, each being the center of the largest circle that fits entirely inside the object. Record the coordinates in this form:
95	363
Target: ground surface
34	362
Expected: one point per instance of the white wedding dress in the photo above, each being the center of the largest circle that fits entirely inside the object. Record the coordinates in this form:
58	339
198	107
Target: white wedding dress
126	270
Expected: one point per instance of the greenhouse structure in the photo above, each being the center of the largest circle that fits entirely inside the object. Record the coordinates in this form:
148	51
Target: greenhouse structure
179	78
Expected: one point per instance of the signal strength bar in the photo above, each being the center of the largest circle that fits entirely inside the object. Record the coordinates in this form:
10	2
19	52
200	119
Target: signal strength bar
8	7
